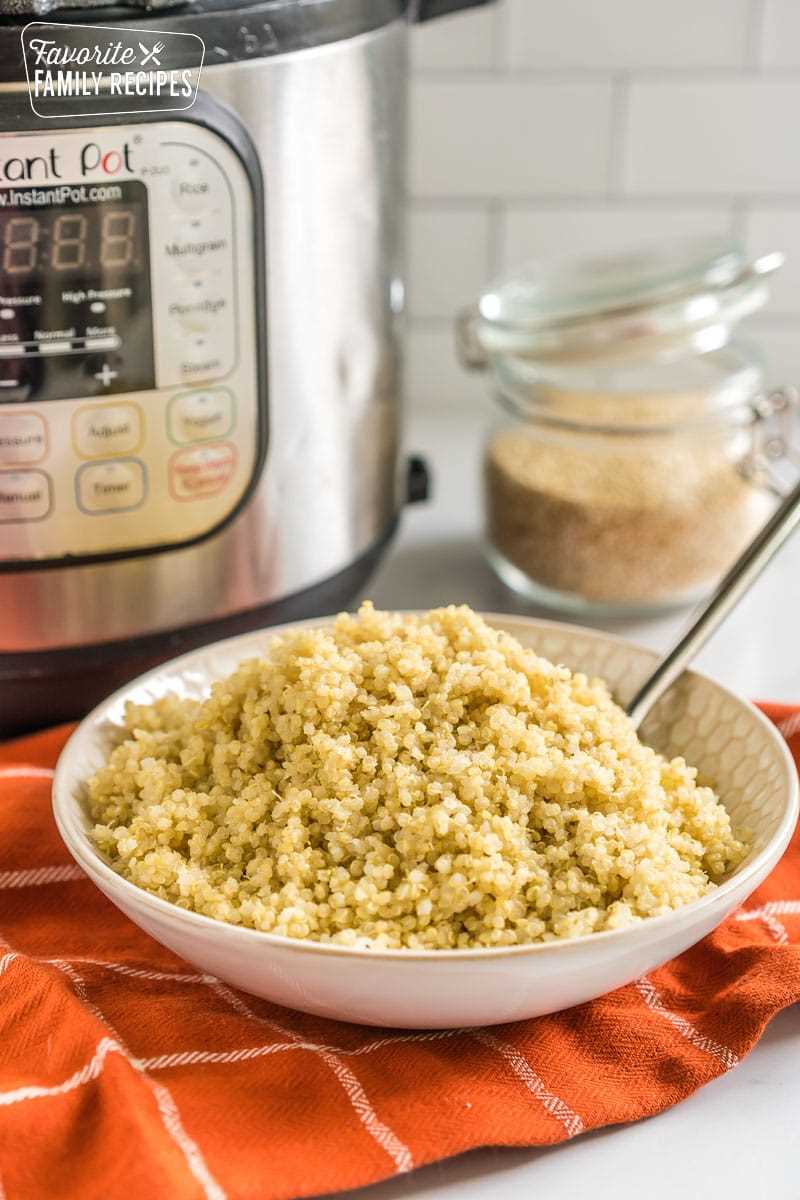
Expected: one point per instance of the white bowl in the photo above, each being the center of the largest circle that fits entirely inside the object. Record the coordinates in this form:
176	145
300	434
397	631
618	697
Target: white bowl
731	743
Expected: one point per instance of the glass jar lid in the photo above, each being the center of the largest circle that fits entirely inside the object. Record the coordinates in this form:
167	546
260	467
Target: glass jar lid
655	298
655	395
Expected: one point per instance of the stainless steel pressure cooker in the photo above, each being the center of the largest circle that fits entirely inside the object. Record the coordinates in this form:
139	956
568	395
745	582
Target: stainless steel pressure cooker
199	367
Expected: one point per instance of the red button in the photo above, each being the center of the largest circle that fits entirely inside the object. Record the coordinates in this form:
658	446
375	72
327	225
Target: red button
204	471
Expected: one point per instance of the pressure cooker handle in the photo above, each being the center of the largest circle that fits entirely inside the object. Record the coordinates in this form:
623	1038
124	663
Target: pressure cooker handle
426	10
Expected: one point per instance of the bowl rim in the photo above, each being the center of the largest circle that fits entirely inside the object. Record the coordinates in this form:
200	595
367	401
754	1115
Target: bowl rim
65	806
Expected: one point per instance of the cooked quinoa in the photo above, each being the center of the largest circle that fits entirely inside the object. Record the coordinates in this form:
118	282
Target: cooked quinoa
406	781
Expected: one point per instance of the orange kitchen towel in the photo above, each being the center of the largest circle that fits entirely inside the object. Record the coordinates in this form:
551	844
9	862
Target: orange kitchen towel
124	1072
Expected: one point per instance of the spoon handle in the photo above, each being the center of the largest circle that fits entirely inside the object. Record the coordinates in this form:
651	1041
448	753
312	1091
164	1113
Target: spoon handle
736	583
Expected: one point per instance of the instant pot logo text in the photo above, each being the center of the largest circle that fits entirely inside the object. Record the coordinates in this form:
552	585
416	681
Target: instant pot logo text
105	70
92	160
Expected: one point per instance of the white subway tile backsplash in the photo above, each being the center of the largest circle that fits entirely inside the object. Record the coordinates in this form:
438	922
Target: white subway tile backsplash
713	137
543	127
778	229
538	230
500	137
781	34
626	34
464	41
448	259
436	380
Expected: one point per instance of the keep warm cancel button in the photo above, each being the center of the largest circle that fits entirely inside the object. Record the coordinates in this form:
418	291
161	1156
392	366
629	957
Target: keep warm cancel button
194	474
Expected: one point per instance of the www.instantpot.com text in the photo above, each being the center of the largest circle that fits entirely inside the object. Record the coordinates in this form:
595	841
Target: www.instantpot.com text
65	194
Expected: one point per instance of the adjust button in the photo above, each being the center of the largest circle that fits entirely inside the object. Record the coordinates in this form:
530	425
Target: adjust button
200	416
116	486
25	496
23	438
204	471
98	431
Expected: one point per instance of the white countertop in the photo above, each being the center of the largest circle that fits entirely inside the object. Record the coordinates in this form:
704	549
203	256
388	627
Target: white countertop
739	1136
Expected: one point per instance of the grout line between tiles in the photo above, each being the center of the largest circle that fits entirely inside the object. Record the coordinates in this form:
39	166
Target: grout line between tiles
599	199
711	76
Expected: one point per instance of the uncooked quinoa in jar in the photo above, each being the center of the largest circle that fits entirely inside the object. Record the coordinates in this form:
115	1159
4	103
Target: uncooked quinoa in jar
631	516
620	476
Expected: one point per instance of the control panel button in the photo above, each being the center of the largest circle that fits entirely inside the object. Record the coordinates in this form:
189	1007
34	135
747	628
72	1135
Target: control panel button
196	184
25	496
23	438
202	359
115	486
197	247
107	429
103	373
106	374
200	416
199	306
194	474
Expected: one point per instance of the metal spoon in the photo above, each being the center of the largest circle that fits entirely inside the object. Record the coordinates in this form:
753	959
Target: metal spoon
742	575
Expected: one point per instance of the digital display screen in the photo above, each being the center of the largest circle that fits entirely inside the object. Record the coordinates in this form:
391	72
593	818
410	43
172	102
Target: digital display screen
75	304
73	241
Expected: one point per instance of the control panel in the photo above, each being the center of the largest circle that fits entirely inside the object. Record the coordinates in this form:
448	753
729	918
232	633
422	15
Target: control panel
129	370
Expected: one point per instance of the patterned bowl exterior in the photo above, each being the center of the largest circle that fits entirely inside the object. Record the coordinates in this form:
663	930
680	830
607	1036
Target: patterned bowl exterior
734	749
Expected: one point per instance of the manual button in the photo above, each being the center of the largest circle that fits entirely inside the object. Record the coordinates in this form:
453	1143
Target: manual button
200	416
23	438
25	496
110	429
116	486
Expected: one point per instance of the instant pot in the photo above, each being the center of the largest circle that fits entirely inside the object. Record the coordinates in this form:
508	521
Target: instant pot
199	366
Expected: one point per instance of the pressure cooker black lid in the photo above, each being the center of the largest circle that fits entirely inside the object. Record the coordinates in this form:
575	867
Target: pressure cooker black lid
420	10
285	12
232	30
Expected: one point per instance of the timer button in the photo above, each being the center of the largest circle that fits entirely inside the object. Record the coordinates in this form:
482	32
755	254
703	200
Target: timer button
23	438
107	429
116	486
200	416
195	474
25	496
